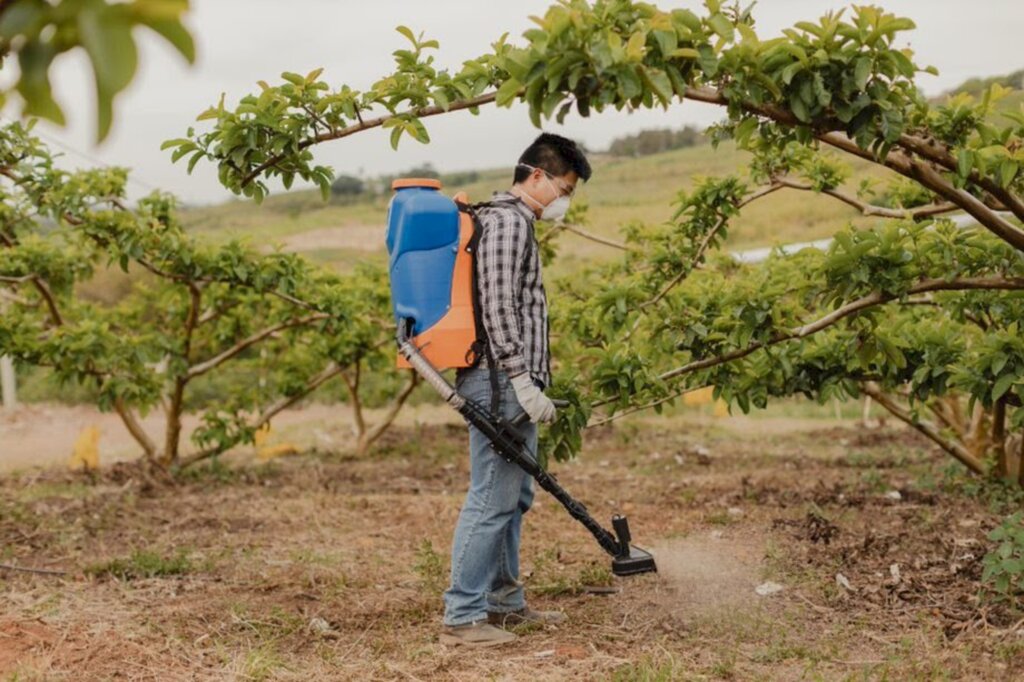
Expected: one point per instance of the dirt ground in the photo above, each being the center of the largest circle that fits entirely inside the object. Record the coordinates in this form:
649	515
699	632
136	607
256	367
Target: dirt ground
786	551
45	433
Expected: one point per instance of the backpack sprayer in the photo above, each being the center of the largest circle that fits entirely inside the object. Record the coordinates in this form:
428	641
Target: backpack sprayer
431	240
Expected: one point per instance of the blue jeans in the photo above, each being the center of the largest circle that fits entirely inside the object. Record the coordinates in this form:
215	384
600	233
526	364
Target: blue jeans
485	550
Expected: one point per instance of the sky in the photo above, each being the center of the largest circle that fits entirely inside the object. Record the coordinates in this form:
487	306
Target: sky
241	41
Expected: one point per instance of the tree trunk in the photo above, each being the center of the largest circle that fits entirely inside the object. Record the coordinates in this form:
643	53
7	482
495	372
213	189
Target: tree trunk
977	438
999	448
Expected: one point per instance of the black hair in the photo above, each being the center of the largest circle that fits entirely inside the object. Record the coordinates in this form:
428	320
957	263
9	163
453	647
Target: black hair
556	154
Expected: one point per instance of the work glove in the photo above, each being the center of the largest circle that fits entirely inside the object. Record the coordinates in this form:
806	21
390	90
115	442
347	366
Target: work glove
537	405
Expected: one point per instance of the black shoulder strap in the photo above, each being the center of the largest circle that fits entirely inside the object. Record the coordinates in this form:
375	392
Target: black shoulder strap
481	346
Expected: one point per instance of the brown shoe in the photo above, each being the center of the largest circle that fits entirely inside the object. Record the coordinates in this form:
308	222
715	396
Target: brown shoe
478	634
525	615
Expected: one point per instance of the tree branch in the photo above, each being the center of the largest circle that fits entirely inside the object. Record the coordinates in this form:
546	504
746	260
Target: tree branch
331	370
872	299
941	154
366	124
867	209
352	384
396	405
135	428
596	238
830	133
220	358
927	428
640	408
44	290
174	404
686	270
932	180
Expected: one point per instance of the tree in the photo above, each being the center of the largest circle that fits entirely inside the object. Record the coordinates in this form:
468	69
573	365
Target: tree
38	31
273	327
347	186
655	141
912	310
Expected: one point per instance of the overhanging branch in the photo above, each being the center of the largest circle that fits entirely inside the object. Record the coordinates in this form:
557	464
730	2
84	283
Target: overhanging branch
927	428
868	301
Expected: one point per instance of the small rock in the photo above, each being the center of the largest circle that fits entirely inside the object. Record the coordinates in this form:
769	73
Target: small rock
679	459
894	495
844	582
768	588
735	512
894	571
717	535
322	627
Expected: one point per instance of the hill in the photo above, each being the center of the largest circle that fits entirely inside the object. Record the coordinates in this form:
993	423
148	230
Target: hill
621	191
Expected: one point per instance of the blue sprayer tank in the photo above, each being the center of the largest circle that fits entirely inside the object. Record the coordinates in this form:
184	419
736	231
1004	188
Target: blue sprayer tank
430	270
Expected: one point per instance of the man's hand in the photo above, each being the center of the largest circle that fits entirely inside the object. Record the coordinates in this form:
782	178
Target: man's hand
537	405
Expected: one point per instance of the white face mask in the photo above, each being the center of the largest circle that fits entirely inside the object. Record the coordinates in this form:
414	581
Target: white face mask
557	209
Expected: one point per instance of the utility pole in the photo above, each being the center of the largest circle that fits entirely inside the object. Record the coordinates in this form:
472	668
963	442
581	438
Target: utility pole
8	389
7	384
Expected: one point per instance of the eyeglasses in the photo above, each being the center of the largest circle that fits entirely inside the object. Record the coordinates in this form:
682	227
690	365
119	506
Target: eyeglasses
567	190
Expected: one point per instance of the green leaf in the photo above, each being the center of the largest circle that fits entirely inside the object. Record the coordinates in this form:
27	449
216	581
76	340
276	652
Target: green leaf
687	52
667	41
659	82
441	99
210	113
417	131
721	25
175	143
508	91
396	133
799	108
791	71
964	162
177	35
1002	385
34	84
862	71
1007	172
195	159
407	32
635	46
107	38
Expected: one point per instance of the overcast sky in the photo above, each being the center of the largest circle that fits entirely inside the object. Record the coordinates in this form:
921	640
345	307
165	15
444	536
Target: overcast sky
241	41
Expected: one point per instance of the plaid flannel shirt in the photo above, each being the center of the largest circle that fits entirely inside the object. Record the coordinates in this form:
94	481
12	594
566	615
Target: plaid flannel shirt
514	307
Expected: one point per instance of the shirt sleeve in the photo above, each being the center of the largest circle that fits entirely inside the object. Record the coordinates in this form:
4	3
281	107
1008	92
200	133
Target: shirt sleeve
500	258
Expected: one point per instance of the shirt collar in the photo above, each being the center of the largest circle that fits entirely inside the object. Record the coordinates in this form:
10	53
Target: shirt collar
517	202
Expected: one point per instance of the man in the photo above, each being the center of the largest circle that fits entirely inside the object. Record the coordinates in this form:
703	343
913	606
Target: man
485	592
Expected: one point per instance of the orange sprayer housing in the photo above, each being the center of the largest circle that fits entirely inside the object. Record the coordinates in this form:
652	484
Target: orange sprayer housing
446	344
